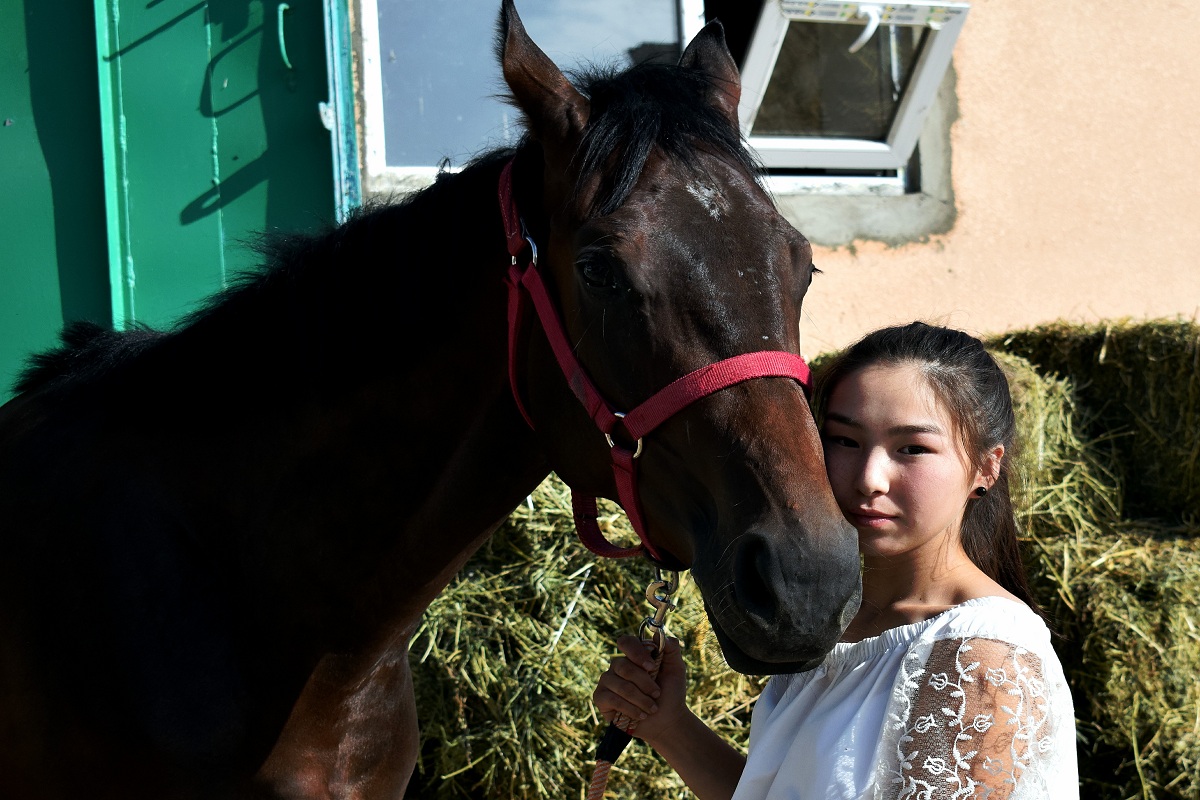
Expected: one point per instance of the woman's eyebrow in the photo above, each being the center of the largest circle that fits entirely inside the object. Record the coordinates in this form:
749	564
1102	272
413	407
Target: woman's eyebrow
897	430
909	430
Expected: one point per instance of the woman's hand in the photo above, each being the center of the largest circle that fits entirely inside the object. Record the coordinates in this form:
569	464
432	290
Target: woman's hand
655	706
703	759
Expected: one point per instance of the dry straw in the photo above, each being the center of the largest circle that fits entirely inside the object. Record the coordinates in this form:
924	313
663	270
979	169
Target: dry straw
1109	417
1137	387
506	659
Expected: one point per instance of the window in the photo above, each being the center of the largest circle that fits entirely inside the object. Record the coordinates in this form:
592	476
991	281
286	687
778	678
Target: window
844	86
431	79
827	123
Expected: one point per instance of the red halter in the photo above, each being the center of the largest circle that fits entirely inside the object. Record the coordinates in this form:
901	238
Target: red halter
525	284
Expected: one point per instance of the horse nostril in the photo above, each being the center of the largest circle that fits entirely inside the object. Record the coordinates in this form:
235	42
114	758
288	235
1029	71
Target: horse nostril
753	583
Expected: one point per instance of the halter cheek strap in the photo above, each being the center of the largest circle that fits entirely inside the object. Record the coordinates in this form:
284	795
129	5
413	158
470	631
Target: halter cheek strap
525	286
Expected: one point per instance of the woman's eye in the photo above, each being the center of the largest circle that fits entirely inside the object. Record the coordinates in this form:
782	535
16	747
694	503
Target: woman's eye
841	441
913	450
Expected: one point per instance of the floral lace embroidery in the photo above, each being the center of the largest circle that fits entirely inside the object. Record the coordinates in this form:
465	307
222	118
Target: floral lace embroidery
974	721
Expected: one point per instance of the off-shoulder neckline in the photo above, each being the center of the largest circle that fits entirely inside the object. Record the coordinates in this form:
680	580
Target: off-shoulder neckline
865	648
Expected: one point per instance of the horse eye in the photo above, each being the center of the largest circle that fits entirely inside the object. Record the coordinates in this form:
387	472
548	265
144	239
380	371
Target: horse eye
597	272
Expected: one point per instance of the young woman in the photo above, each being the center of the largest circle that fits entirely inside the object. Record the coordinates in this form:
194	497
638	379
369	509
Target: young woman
945	684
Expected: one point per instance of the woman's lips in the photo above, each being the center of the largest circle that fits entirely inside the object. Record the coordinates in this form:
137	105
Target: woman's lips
867	519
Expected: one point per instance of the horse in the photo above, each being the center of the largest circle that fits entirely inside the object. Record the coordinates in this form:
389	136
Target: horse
219	537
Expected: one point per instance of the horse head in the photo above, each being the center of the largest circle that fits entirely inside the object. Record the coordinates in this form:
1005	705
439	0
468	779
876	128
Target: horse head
663	254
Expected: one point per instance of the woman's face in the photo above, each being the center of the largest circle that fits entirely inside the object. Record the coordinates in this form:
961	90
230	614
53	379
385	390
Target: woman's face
895	461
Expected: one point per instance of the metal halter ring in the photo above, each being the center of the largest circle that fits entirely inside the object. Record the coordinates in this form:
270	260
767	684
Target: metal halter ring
637	451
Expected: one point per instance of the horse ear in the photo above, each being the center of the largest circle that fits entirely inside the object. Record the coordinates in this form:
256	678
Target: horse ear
553	107
709	54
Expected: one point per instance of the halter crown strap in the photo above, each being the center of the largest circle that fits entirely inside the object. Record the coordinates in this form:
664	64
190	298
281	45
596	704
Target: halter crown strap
525	284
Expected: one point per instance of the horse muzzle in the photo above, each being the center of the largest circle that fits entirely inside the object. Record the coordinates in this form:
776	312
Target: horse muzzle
780	604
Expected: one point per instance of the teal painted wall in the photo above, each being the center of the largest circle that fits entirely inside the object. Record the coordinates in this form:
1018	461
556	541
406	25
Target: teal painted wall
210	139
54	264
145	145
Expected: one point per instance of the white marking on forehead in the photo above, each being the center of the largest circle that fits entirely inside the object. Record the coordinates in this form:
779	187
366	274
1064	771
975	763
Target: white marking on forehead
712	200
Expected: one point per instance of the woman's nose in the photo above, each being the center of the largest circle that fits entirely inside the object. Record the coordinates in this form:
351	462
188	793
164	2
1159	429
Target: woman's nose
873	474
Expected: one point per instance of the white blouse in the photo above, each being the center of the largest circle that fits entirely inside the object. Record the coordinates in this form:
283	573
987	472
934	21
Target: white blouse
969	704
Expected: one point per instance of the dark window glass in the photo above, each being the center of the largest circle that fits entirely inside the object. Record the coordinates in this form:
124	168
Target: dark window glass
819	88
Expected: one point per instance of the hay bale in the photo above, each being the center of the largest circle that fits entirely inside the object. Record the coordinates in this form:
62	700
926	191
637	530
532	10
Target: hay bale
1139	389
1065	481
1125	595
1131	651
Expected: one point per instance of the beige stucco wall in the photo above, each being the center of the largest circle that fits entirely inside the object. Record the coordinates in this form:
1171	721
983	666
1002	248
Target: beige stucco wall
1075	163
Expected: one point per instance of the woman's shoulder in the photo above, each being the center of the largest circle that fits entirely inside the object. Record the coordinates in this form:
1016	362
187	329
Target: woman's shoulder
1002	618
983	670
982	635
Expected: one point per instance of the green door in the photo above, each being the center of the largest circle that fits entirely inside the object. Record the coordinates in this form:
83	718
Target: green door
147	142
213	133
54	267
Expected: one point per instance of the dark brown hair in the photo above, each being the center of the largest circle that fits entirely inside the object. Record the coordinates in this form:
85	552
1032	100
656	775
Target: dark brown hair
974	390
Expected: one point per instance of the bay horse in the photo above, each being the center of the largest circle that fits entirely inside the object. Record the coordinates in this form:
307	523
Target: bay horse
219	538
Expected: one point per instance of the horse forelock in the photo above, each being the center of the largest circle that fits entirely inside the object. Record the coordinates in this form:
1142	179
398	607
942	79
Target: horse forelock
646	107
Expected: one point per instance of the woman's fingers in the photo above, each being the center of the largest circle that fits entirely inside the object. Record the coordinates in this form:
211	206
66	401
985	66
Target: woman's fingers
638	652
633	705
635	674
628	686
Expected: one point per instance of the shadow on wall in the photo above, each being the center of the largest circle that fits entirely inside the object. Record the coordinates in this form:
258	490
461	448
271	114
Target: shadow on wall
290	64
66	112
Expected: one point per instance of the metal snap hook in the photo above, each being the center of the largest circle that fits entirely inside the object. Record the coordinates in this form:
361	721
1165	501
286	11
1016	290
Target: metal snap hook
654	628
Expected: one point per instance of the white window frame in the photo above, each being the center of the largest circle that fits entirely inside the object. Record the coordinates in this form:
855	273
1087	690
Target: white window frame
380	177
944	22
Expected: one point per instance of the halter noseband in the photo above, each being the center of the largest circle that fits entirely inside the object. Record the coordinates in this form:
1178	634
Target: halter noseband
524	285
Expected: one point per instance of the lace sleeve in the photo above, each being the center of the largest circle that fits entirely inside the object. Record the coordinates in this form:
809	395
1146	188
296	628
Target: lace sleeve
974	720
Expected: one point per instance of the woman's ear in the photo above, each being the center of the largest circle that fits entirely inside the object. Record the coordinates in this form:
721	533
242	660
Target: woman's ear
989	471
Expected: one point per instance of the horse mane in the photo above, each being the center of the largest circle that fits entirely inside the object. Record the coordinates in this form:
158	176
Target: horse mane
646	106
87	349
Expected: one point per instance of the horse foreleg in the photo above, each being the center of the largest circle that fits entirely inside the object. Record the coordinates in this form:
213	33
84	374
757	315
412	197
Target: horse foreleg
353	733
